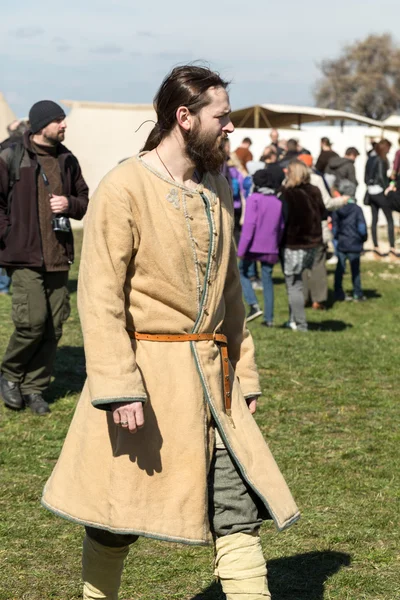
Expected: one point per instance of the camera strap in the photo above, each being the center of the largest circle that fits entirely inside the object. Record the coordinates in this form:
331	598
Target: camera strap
44	176
48	186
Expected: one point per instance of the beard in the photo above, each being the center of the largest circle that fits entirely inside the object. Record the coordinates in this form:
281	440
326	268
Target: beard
204	150
54	138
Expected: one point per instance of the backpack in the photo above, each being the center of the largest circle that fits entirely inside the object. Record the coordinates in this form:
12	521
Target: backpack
235	187
13	161
247	185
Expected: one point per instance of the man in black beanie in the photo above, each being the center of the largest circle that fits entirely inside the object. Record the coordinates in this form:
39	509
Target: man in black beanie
41	186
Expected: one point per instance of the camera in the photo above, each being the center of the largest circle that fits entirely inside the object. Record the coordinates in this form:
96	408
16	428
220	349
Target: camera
61	224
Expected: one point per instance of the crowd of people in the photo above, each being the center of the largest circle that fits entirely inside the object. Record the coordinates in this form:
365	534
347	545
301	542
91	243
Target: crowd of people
295	210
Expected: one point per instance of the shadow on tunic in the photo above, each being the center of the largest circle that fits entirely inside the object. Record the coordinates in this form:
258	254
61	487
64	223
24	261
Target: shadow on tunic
300	577
142	448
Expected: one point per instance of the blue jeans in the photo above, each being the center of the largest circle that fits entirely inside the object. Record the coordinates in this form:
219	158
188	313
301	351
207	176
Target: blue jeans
354	259
4	282
245	267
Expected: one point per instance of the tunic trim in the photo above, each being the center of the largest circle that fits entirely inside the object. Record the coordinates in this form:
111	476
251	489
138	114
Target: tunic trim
168	179
154	536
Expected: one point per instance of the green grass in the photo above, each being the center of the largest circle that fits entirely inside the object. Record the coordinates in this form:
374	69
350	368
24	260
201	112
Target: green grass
330	412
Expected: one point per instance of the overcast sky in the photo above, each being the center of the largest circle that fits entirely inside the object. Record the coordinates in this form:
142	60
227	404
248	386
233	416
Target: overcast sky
119	50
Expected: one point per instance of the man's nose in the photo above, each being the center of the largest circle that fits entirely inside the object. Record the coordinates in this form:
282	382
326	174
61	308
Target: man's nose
229	127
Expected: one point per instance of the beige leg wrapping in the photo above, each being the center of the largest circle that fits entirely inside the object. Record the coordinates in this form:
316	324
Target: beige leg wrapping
241	568
101	570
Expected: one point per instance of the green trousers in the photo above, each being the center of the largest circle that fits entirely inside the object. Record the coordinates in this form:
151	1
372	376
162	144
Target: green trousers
235	517
232	505
40	306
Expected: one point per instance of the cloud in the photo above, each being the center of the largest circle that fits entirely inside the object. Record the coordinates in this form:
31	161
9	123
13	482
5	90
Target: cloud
27	32
107	49
148	34
173	56
62	47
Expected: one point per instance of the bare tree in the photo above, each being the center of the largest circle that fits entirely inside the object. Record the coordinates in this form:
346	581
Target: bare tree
365	79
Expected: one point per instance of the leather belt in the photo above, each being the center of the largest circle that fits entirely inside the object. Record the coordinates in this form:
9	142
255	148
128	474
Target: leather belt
218	338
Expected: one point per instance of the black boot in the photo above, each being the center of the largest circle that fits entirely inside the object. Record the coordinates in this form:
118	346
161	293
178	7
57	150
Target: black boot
36	403
11	394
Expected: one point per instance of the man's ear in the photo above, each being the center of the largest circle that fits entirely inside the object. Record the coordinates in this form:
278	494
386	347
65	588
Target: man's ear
184	118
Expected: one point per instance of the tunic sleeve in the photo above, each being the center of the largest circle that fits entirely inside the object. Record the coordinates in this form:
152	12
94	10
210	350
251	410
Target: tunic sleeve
108	248
240	342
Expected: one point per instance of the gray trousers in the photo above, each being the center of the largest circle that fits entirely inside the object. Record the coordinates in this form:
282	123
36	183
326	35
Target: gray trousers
297	313
315	280
232	505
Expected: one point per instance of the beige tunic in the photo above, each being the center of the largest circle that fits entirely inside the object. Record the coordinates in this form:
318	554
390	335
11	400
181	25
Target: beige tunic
159	258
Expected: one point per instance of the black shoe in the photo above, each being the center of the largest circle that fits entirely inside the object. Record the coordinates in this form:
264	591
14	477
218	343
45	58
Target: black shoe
36	403
11	394
255	311
267	324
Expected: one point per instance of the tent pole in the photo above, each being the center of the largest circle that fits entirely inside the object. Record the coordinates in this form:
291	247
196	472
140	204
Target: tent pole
243	121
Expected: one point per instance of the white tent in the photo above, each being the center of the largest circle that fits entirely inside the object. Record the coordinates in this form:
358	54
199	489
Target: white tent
102	134
6	117
392	122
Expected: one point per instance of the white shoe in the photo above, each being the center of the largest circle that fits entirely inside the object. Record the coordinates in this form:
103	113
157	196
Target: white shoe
256	284
333	260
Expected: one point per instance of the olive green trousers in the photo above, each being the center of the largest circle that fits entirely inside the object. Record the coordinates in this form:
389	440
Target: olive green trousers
40	307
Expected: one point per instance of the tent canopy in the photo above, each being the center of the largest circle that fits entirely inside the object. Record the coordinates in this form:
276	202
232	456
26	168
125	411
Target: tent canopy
101	134
392	122
6	117
265	116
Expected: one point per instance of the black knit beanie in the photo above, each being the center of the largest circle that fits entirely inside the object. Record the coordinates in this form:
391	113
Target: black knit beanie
270	177
44	112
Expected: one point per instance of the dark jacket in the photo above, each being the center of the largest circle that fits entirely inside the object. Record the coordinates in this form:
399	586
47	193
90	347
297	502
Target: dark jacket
289	156
341	168
305	212
376	172
20	239
349	228
323	159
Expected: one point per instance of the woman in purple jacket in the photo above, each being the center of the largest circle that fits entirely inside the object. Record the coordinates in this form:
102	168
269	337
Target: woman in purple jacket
261	235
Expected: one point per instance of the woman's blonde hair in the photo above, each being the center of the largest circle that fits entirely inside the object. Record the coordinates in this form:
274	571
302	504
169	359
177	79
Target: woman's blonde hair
298	174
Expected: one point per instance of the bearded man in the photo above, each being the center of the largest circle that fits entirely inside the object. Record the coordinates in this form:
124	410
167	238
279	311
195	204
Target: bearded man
41	186
168	360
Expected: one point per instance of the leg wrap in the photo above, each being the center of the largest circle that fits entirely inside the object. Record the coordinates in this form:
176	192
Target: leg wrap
101	570
240	565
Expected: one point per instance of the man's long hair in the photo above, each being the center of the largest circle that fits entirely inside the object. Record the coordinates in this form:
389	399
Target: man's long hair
184	86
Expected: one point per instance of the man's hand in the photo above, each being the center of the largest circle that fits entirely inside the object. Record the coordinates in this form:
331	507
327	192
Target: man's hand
59	204
252	404
129	415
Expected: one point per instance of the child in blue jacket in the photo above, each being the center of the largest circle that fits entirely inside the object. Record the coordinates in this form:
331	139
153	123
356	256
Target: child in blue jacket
350	232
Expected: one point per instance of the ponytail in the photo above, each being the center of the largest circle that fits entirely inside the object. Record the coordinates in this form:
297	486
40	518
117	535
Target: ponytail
154	138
